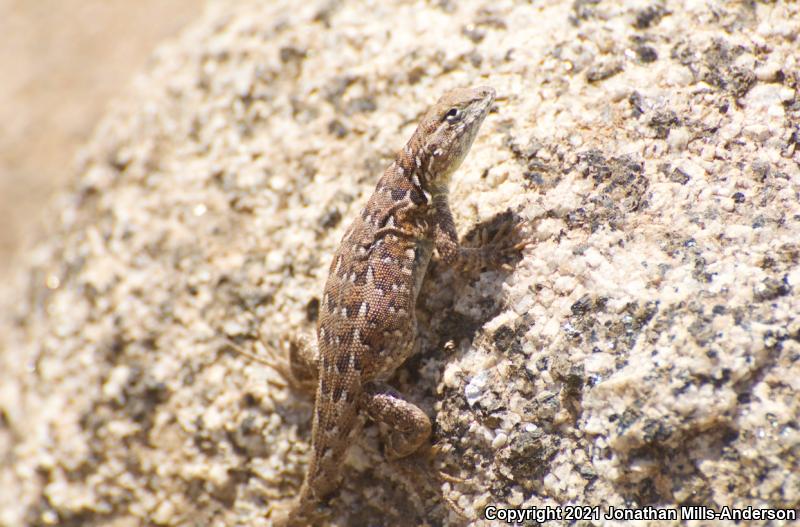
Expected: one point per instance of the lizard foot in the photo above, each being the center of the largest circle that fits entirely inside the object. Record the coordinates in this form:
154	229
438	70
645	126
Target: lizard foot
498	249
300	514
405	427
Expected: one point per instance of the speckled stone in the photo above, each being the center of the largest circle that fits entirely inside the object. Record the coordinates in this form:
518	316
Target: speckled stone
645	351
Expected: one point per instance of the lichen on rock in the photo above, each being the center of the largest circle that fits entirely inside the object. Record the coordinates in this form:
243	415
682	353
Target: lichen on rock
644	351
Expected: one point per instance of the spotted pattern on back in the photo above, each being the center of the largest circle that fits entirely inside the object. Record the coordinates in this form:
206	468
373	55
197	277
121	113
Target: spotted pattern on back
367	326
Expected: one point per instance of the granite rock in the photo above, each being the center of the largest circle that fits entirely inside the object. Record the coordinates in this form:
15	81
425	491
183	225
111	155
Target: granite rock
644	352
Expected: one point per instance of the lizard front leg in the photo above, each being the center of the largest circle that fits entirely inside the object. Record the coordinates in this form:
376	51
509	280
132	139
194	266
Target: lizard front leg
451	252
409	426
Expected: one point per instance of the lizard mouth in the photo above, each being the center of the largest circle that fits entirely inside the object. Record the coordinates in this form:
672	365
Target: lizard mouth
486	94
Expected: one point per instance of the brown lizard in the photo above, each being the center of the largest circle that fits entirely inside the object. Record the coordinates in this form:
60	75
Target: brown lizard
367	323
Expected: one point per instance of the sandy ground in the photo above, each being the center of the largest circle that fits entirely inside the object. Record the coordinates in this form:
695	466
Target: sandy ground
62	62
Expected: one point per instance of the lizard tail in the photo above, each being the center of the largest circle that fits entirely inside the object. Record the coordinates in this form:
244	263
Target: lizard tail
335	422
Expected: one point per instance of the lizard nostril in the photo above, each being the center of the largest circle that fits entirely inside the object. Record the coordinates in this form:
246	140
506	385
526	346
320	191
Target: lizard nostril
487	91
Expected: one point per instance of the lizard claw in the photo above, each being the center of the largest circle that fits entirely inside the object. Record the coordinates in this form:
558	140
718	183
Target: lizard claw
433	452
506	244
444	476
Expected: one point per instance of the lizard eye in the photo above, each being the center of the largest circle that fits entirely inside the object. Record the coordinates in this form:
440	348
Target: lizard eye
453	115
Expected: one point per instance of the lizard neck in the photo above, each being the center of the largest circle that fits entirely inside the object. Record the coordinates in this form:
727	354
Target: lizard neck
415	161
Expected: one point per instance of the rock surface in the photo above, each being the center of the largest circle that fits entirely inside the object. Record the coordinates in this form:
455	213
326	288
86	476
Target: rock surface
81	51
645	352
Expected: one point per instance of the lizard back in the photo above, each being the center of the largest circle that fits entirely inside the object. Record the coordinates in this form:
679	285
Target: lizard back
367	324
367	309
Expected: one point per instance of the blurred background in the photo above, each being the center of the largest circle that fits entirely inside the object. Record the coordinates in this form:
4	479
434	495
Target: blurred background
61	61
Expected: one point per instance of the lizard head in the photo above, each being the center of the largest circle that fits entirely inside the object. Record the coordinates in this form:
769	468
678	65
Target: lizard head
446	132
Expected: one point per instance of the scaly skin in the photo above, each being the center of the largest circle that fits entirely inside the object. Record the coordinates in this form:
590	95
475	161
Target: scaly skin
367	324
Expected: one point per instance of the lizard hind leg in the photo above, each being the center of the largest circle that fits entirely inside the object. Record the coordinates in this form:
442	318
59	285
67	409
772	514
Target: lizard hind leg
409	427
304	360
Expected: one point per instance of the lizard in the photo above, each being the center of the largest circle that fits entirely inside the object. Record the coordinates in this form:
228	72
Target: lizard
367	324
